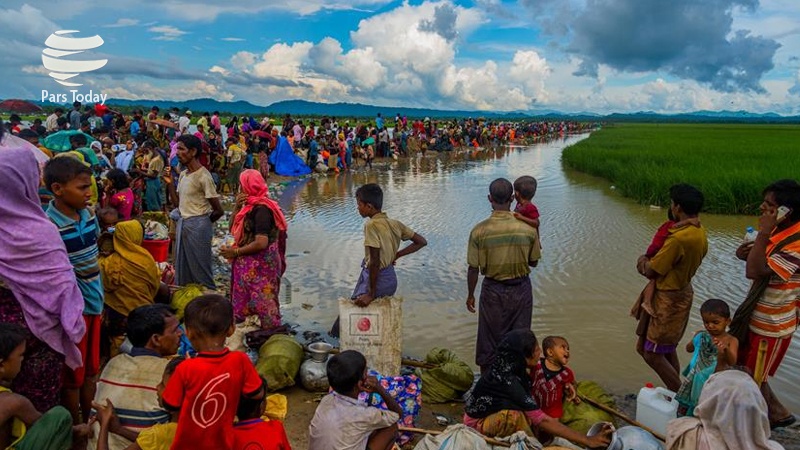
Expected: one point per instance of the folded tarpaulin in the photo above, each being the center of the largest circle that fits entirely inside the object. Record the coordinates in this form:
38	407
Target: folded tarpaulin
286	163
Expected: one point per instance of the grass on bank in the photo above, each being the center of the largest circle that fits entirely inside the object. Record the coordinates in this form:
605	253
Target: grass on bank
730	164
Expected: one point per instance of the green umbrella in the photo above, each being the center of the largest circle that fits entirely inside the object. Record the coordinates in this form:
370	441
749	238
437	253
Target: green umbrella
59	143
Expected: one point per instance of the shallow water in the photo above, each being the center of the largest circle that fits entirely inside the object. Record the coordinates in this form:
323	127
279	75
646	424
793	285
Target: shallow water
583	287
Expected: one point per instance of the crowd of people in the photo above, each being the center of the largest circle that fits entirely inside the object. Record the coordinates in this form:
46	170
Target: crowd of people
77	281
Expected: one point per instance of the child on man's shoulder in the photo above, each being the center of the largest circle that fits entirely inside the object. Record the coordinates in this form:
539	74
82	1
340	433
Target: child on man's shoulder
526	211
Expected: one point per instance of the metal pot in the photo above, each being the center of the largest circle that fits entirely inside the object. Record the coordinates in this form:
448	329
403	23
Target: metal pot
313	371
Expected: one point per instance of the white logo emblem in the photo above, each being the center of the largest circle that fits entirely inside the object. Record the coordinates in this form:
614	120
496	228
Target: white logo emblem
59	45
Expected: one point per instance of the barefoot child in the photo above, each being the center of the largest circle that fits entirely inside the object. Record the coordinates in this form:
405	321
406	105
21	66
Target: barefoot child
382	238
70	181
553	382
526	211
714	350
341	422
206	389
22	427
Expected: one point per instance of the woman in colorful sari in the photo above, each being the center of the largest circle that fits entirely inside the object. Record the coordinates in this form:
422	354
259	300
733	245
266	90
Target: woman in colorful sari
258	255
37	282
130	279
501	403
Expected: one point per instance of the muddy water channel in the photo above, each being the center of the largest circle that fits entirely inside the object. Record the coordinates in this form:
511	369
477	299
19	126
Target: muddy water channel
583	287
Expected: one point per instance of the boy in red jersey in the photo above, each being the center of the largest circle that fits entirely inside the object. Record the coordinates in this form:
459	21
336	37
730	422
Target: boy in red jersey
206	389
254	433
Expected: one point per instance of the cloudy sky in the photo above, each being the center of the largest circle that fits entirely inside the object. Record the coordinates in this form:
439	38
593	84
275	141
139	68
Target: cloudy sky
569	55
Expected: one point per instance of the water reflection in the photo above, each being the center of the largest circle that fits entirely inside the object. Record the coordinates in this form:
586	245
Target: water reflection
583	287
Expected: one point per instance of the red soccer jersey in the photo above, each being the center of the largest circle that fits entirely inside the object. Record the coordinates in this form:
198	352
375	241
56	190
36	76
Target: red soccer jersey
206	390
256	434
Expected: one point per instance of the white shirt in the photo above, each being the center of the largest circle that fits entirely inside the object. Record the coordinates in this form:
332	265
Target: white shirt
51	124
124	160
344	423
183	123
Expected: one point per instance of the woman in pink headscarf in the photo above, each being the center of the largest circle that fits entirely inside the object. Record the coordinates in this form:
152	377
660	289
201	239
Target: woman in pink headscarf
37	282
258	254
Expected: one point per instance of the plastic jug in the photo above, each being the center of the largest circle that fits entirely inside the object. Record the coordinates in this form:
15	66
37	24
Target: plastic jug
655	406
750	234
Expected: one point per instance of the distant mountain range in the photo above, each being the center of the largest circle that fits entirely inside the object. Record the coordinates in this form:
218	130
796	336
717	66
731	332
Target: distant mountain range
306	108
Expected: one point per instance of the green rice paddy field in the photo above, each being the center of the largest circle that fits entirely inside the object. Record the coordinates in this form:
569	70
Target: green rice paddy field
730	163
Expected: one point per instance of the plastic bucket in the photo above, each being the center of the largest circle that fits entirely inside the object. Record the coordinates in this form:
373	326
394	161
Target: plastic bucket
159	249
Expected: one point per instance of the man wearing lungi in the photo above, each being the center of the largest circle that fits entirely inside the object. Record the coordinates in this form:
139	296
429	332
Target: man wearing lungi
663	310
771	313
198	208
503	249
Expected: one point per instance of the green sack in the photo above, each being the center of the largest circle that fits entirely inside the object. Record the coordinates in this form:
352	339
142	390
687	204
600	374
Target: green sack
448	381
183	296
279	360
581	417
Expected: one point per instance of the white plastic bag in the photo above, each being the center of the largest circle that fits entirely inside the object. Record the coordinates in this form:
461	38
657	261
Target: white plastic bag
376	331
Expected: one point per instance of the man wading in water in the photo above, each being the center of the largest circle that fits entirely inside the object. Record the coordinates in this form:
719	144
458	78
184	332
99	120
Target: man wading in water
663	309
503	249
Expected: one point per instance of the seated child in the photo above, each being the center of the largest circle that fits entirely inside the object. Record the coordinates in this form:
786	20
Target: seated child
341	422
107	219
526	211
253	432
206	389
157	437
22	427
553	382
713	350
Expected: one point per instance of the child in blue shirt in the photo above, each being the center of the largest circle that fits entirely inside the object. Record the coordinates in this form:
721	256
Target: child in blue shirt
70	181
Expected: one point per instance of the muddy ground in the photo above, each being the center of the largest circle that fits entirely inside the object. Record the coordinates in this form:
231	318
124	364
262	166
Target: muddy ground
302	405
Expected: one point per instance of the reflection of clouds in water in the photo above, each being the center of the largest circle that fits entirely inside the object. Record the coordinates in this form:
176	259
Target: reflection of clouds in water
583	287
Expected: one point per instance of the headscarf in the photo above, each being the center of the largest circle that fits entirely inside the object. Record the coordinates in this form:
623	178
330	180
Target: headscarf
506	385
731	415
130	276
34	262
253	184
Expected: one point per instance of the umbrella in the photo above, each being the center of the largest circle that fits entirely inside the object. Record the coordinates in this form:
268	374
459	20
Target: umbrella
10	141
368	141
260	134
59	142
164	123
19	106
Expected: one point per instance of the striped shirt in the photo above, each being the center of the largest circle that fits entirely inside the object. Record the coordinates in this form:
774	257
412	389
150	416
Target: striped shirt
778	310
80	238
131	383
503	247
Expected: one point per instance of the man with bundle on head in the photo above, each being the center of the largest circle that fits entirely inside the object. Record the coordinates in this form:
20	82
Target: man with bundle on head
503	249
